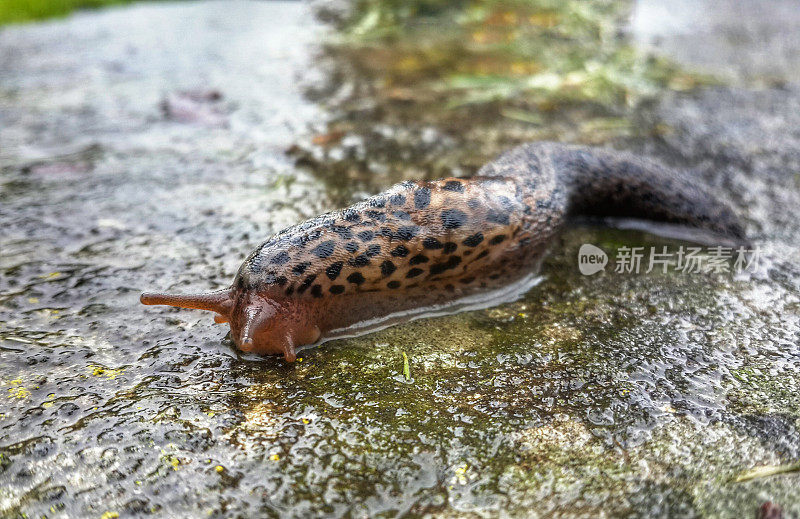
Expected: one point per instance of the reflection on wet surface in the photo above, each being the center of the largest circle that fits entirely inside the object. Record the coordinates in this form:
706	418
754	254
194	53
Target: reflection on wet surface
618	394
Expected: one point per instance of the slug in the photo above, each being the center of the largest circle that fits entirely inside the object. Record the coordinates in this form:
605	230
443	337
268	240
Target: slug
429	244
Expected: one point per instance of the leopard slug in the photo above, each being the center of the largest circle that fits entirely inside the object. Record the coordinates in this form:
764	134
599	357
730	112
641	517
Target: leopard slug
428	244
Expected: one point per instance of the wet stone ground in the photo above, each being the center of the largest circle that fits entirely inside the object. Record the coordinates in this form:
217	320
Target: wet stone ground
145	147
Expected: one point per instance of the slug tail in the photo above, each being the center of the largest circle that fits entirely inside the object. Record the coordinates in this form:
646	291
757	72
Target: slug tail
220	301
577	181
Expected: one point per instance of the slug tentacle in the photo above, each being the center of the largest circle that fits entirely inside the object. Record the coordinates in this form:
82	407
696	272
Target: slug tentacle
220	301
255	319
430	244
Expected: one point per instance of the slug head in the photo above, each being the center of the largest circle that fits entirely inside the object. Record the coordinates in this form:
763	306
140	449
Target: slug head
258	324
263	325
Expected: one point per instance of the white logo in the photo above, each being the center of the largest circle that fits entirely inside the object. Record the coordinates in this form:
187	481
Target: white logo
591	259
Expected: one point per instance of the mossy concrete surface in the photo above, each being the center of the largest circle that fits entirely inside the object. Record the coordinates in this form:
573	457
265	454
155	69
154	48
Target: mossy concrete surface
153	146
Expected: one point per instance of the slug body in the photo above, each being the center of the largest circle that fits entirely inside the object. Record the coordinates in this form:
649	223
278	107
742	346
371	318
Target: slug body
428	244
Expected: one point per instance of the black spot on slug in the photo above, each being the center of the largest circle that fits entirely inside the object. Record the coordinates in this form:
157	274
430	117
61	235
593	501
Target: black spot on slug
387	268
334	269
351	247
449	247
432	243
376	215
482	254
324	249
474	240
401	215
306	283
414	273
453	218
336	289
299	241
397	199
497	239
422	198
300	268
393	284
316	291
497	217
362	260
351	215
343	232
281	280
419	258
356	278
399	252
451	263
365	235
406	232
378	201
454	185
373	250
280	258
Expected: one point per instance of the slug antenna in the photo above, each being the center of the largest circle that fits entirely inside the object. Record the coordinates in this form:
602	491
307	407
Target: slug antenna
220	301
255	318
289	353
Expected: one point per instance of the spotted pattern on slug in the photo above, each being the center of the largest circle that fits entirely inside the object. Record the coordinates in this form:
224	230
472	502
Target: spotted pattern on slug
452	225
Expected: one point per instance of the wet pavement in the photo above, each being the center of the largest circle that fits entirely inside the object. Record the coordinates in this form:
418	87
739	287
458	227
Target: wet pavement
154	146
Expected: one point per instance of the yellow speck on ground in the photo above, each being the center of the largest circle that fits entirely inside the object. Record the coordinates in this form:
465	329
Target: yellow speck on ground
461	474
109	515
33	300
17	390
219	468
306	421
51	275
210	414
109	373
49	312
274	457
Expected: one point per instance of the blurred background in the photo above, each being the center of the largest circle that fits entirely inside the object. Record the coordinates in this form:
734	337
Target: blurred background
153	145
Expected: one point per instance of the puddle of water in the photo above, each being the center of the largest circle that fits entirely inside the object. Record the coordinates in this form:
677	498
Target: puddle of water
611	394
